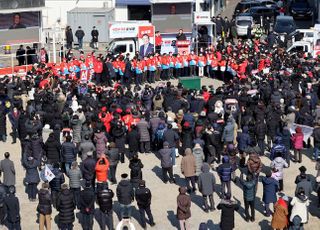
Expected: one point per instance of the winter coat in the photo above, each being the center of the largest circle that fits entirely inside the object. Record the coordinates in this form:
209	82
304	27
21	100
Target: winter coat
13	208
316	137
254	163
104	200
113	156
300	208
184	205
171	137
76	124
249	189
243	139
102	169
68	152
270	188
306	185
278	147
225	170
279	163
37	148
188	164
135	170
227	214
118	134
32	174
75	177
85	147
280	215
206	181
9	173
228	133
52	150
57	181
125	193
143	129
44	206
297	139
143	197
66	206
101	140
186	138
199	157
88	168
165	156
260	130
87	199
133	140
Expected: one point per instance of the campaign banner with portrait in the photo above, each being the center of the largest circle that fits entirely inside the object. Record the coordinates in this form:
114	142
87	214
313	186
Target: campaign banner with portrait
20	27
146	40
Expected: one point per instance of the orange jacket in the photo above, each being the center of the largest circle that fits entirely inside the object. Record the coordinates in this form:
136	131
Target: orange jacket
102	169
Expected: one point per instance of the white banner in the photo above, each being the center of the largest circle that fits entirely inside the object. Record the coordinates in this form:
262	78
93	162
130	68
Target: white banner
306	130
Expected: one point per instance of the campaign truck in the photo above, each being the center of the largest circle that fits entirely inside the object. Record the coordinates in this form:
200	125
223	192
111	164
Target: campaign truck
130	37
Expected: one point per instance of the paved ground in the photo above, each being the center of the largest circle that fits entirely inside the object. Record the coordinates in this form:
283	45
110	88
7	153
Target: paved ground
164	195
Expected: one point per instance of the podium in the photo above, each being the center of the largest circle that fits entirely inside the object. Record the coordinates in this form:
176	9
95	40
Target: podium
183	46
191	82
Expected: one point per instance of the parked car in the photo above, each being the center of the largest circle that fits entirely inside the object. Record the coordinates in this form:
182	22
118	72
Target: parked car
301	9
242	24
262	11
284	25
243	6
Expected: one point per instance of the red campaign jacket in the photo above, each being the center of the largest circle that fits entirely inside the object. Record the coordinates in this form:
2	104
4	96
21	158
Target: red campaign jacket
206	96
242	67
158	40
122	66
98	67
127	120
229	50
106	120
192	57
203	59
165	60
261	65
89	62
214	63
219	56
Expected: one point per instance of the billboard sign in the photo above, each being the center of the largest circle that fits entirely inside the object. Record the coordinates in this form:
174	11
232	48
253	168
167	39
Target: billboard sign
18	4
22	27
123	31
146	39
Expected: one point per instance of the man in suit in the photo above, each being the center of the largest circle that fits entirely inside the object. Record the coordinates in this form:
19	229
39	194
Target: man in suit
147	47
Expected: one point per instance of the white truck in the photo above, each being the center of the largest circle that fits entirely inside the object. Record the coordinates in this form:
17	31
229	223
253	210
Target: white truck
127	37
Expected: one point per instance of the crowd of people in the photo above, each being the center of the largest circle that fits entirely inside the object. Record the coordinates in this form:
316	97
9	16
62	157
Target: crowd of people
268	107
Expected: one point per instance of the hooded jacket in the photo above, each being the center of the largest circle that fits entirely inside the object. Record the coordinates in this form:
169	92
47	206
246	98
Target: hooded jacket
104	199
52	149
44	206
228	132
270	188
125	192
165	156
243	139
225	169
249	189
300	205
101	140
183	204
102	169
206	180
254	163
199	157
188	164
66	206
297	139
279	163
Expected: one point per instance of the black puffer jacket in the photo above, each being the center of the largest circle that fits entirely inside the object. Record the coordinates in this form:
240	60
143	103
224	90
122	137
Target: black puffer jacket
44	206
125	192
68	152
52	148
87	199
57	181
88	168
104	199
66	206
143	197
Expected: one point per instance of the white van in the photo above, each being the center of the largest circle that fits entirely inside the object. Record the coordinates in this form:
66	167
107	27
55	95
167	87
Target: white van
242	24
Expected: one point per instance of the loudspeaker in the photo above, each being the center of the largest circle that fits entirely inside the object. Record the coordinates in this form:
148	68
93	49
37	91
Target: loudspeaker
16	4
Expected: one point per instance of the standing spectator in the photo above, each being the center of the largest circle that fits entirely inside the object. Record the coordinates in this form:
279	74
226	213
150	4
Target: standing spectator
44	207
69	37
32	176
227	207
199	157
219	25
55	184
86	146
254	165
75	177
297	141
143	129
171	136
87	199
224	170
125	196
305	184
279	163
20	56
9	173
101	141
88	168
80	34
14	120
104	200
270	188
226	27
113	156
316	140
183	208
158	42
135	170
68	153
249	196
65	207
300	205
166	163
95	38
280	215
133	141
13	209
102	168
143	198
206	183
52	149
188	169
